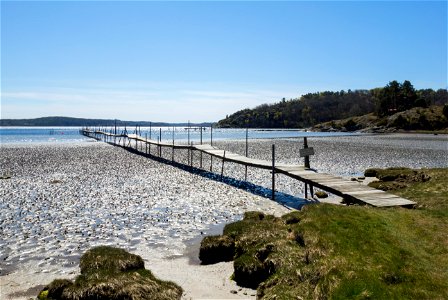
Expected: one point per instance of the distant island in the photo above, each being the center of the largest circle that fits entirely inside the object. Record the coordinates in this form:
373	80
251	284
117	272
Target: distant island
78	122
382	107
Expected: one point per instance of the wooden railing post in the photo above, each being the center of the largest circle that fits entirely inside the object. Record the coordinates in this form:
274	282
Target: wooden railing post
172	153
247	153
222	167
307	157
273	172
146	143
191	155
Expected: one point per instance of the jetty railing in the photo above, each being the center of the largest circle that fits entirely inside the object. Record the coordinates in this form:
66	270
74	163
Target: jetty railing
351	192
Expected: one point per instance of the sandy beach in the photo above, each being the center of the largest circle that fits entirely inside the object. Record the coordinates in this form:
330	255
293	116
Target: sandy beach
64	199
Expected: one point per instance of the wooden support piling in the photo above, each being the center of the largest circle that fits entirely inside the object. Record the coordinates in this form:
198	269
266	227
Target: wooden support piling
247	153
160	141
191	156
307	157
273	172
222	167
172	153
146	143
136	140
200	155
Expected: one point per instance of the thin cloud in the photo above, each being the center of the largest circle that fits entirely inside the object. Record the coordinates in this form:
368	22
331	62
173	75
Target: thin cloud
144	101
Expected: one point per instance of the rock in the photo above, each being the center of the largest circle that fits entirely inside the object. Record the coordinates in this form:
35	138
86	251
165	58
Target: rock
371	172
321	194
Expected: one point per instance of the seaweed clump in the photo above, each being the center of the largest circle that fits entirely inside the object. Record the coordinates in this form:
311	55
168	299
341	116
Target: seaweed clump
111	273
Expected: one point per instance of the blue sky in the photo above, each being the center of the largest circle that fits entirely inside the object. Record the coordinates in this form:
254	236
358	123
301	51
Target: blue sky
199	61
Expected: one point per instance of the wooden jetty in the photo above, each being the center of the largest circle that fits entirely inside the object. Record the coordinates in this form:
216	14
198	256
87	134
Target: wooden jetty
350	191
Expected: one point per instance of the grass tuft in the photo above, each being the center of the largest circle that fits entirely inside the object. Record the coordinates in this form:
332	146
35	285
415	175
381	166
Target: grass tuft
109	259
111	273
216	249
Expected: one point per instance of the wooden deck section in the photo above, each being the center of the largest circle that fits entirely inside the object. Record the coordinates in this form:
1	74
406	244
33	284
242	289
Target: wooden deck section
350	190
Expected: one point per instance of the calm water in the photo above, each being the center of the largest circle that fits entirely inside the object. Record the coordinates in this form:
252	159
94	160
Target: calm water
180	134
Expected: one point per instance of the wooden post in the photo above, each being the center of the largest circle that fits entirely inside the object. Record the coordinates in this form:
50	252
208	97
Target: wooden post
188	154
188	132
124	137
136	135
273	172
211	163
188	143
201	134
247	153
222	167
172	153
160	141
146	143
211	135
307	158
191	155
200	152
150	132
307	165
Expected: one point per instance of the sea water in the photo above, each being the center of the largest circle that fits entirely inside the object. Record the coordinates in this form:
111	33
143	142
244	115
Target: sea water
178	134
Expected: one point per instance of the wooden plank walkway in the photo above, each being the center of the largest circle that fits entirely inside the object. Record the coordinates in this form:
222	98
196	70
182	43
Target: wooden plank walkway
350	190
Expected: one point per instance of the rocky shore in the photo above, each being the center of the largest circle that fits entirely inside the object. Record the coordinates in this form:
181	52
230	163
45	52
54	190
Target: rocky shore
64	199
61	200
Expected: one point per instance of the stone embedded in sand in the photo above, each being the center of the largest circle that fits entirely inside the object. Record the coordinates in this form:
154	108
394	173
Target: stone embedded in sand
372	172
321	194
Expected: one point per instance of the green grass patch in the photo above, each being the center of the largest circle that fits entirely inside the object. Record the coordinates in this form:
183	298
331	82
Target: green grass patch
111	273
350	252
427	187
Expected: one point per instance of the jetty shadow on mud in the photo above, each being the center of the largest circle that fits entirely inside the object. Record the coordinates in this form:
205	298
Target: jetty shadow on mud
286	200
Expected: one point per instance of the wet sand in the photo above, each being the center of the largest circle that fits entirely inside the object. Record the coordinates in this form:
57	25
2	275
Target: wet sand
64	199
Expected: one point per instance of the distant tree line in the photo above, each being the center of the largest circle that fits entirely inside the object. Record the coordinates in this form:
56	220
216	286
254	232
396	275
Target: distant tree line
314	108
78	122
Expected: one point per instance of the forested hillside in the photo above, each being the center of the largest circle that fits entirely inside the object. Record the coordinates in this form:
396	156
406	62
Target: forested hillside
67	121
314	108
